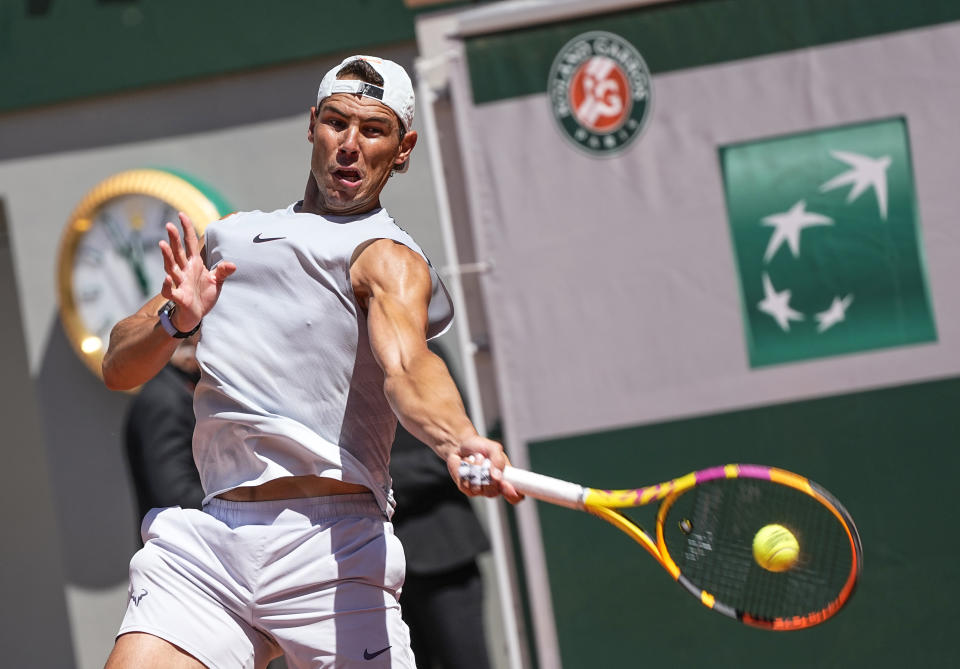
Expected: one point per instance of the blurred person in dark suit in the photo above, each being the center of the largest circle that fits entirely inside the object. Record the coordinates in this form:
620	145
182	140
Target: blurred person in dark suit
159	435
442	537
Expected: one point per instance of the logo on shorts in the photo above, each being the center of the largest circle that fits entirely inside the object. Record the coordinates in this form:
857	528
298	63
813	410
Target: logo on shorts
599	90
135	598
367	655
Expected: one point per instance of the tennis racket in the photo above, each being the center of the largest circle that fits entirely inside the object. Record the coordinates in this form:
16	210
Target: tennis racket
705	529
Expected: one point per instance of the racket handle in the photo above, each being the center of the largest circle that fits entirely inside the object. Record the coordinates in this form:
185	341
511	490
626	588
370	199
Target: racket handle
546	488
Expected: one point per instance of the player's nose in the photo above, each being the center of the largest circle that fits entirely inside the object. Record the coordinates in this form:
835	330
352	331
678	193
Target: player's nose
349	141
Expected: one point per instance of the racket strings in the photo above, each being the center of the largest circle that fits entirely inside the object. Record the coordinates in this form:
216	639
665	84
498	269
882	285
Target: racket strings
709	534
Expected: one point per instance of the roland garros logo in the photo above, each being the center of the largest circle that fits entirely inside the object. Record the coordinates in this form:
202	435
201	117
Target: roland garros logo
600	92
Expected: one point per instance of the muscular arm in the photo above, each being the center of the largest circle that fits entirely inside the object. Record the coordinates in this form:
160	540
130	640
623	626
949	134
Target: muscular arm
393	283
139	346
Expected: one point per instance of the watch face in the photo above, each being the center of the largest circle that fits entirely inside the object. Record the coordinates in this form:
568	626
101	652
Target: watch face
110	262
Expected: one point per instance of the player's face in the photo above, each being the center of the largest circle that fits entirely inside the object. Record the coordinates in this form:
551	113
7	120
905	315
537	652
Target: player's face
355	145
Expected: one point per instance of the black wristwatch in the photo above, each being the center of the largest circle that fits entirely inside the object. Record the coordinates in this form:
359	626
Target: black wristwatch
165	314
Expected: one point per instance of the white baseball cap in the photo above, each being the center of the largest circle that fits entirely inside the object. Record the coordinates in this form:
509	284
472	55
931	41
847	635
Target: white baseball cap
396	92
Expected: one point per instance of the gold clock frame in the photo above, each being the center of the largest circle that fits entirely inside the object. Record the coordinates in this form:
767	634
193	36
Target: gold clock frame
175	190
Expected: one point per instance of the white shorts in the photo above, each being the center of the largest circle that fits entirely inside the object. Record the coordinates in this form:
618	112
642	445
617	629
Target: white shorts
239	583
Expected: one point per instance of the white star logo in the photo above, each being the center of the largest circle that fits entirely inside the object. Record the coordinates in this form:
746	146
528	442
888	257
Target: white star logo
836	313
778	305
865	172
788	226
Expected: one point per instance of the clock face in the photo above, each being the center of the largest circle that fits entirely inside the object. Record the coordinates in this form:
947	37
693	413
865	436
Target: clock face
117	265
110	262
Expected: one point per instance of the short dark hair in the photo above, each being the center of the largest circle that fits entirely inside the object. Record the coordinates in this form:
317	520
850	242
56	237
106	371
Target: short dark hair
364	71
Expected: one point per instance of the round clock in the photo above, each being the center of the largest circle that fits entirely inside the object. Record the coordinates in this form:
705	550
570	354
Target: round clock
110	263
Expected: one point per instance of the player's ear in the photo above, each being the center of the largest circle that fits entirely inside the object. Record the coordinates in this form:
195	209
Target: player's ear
313	122
406	146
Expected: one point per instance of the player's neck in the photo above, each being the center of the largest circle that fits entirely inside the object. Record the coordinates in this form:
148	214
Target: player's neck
314	203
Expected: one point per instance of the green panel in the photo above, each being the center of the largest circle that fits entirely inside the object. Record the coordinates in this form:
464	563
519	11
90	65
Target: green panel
678	35
62	49
887	454
826	234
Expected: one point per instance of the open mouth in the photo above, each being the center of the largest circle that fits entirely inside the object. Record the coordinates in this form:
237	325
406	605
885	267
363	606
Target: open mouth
348	176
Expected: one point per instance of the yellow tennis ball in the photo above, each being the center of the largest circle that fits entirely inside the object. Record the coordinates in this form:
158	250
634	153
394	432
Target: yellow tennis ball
775	548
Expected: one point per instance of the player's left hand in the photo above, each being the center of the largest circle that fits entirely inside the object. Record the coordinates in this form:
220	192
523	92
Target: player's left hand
192	287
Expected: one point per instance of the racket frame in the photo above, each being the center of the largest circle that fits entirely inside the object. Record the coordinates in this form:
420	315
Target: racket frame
604	504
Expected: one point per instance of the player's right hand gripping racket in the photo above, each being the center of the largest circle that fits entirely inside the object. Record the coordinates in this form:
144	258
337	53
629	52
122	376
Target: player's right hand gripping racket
706	528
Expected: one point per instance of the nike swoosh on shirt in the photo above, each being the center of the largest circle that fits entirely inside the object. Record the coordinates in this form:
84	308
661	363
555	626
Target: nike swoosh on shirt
367	655
259	240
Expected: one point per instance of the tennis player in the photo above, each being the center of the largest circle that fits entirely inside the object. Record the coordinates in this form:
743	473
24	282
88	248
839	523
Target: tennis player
314	321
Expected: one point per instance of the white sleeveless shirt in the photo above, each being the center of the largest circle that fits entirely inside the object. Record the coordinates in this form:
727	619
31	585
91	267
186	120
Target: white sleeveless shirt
289	385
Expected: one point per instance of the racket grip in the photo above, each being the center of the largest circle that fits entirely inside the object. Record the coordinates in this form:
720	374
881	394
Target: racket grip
546	488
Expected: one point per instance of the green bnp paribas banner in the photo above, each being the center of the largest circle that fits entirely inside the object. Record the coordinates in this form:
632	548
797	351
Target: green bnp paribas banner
826	233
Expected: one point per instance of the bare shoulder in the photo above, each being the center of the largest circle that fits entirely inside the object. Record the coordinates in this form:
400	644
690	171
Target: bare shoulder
386	265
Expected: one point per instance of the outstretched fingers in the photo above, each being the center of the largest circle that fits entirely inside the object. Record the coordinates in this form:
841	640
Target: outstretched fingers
177	252
222	271
173	274
167	288
194	288
190	240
